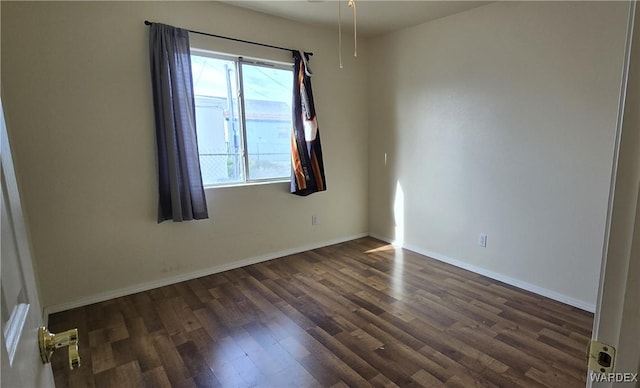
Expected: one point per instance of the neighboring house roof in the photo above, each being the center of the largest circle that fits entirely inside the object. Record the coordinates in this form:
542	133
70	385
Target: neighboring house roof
254	109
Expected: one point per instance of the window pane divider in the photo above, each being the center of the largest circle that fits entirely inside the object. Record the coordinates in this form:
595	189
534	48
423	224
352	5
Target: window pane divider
243	123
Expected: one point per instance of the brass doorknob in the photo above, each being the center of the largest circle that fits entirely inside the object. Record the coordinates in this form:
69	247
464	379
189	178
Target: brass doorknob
49	342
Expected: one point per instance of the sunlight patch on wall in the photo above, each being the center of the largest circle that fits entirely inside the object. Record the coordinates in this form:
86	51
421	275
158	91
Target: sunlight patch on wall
398	214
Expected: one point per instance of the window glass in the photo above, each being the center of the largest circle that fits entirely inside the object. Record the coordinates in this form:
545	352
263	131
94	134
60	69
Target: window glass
268	120
217	120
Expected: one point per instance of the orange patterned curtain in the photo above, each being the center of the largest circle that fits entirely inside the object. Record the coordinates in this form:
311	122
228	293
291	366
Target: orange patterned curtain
307	173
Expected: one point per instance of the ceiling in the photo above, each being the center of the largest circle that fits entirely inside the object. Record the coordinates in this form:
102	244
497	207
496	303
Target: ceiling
375	17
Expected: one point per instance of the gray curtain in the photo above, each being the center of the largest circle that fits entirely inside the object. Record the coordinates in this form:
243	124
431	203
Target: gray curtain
181	193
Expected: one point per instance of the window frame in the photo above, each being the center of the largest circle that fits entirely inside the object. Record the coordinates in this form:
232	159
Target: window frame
238	61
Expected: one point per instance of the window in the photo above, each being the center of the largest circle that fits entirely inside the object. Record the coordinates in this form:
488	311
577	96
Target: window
243	119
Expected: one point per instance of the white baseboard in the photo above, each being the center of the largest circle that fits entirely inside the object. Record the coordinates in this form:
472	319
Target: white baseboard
590	307
101	297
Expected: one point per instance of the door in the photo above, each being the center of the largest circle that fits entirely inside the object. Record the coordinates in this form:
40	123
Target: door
21	311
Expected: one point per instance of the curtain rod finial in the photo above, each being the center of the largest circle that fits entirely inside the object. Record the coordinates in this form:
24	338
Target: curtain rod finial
147	23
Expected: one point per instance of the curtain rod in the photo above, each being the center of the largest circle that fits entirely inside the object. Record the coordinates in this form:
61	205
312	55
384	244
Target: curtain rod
148	23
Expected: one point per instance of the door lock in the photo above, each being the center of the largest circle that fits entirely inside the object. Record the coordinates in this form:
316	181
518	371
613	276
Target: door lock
601	357
49	342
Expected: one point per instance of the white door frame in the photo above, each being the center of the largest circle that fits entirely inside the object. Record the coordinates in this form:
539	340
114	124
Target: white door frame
617	317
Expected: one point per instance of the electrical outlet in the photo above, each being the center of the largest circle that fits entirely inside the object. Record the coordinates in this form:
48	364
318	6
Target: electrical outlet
314	220
482	240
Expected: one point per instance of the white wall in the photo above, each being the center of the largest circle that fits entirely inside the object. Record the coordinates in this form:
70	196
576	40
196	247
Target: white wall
78	103
500	120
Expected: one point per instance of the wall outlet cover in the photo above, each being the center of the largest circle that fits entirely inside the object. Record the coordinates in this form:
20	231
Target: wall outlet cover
482	240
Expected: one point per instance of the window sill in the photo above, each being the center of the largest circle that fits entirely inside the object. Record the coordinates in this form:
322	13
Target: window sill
245	184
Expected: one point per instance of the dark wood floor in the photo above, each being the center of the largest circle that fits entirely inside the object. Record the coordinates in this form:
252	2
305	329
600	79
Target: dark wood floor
359	314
